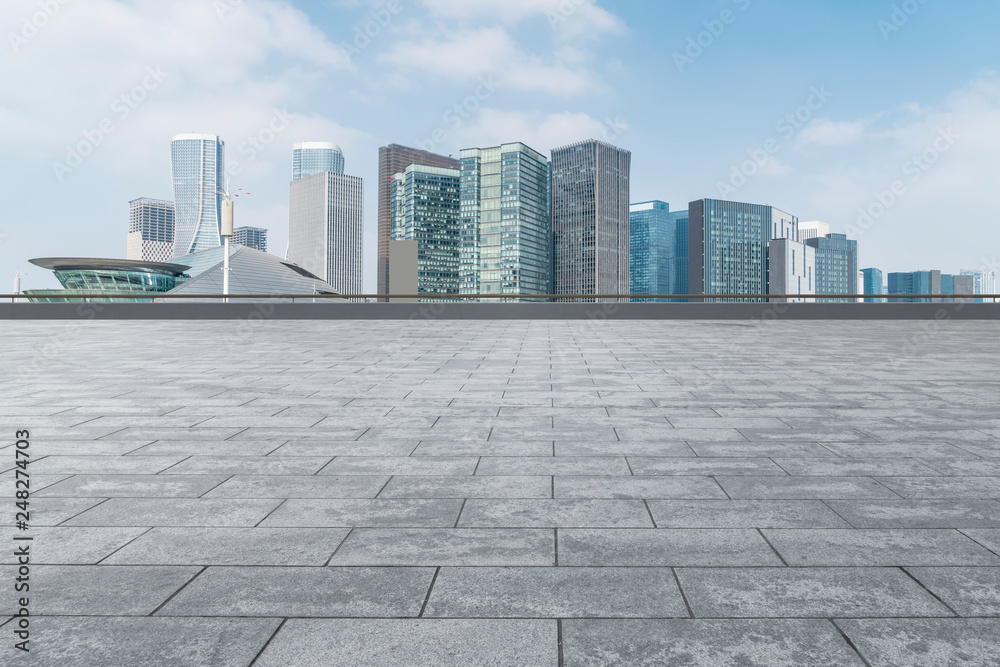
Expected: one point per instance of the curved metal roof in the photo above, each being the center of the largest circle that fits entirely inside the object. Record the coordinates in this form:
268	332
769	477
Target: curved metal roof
94	264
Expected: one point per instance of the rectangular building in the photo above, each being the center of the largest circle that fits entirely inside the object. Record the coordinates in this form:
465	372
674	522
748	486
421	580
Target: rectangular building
251	237
984	282
150	230
728	245
325	228
505	245
812	230
590	218
197	163
873	283
791	269
425	209
836	265
392	160
658	254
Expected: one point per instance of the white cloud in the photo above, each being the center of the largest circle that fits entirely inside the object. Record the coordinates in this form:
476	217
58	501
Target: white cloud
543	132
825	132
567	18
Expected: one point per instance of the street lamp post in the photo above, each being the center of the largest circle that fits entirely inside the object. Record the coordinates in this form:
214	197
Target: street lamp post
227	233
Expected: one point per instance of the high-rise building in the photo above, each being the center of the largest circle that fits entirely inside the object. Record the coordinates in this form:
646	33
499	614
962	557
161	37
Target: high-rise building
658	257
873	283
425	209
930	283
590	218
251	237
984	282
812	230
836	265
505	243
325	228
198	165
315	157
150	230
392	160
791	269
728	245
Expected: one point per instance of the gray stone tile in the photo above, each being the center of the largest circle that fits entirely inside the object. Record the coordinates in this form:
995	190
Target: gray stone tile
232	546
439	448
245	465
704	643
402	465
925	642
623	488
803	488
223	448
332	448
53	511
870	450
176	512
462	546
564	592
878	548
551	465
150	642
744	514
71	546
413	643
98	590
919	513
731	450
327	592
680	434
460	486
805	593
380	513
944	487
107	465
132	486
664	548
699	466
970	591
555	514
313	486
989	538
965	467
854	467
676	449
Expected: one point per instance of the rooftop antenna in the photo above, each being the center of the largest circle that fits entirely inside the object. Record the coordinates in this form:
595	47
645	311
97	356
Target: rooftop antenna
227	231
17	282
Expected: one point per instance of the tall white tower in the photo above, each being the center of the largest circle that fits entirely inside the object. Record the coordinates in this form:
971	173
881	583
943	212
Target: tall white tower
198	165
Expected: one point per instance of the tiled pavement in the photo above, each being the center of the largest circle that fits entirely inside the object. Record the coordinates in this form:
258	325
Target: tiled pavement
497	493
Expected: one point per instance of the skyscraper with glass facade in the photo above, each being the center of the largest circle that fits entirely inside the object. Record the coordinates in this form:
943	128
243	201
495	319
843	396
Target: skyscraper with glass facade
198	166
251	237
425	209
873	283
326	227
984	282
836	265
504	219
930	282
658	254
150	230
314	157
394	159
590	218
728	245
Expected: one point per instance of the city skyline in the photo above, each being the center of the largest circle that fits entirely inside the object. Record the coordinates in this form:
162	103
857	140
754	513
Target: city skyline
555	79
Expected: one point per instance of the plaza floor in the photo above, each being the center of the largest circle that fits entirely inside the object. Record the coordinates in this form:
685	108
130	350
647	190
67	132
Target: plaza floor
545	493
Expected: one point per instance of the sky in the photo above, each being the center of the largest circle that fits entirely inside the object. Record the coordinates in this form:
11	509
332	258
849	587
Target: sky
879	118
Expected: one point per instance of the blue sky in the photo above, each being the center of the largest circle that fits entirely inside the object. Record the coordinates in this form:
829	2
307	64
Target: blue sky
825	109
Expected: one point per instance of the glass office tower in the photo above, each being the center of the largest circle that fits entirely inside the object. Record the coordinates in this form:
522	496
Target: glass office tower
658	254
590	218
425	209
728	245
394	159
984	282
198	165
836	265
504	220
873	284
314	157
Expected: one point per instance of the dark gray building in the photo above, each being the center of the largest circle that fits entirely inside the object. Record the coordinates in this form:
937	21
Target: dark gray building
836	265
150	230
251	237
590	218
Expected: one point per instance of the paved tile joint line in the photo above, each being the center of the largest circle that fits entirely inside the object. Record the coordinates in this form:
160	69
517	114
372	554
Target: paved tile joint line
509	492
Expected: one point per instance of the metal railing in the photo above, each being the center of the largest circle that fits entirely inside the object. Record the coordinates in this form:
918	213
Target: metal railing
850	298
